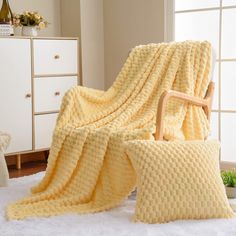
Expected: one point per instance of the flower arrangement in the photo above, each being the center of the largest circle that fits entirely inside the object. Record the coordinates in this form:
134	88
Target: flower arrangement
30	18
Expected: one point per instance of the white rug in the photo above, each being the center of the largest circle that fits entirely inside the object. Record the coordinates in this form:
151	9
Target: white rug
115	222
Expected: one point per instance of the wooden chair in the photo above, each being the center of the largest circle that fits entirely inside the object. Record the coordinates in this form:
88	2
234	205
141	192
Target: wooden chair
205	103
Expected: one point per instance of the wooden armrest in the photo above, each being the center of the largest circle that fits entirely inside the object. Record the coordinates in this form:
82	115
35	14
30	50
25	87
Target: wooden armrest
205	103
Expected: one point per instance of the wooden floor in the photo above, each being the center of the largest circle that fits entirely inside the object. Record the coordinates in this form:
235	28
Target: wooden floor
27	169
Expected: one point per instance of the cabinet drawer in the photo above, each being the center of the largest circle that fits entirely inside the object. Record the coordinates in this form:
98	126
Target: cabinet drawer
49	91
55	57
44	126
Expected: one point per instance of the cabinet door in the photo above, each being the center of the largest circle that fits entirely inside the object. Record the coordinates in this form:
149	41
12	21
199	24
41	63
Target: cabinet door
15	93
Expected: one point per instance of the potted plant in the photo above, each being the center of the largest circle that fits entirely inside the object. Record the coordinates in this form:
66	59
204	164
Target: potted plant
30	22
229	180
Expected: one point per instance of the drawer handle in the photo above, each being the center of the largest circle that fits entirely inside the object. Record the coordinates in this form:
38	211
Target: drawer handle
57	57
28	95
57	93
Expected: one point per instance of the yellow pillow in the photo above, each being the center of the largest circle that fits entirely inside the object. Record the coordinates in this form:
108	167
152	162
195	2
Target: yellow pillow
178	180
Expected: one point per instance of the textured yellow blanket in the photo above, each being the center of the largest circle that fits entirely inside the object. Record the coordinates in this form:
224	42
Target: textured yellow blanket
88	170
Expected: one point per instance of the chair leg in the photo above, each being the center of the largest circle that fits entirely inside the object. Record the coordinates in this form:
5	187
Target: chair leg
18	161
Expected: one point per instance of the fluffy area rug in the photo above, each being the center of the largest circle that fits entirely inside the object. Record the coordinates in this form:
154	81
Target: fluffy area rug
116	222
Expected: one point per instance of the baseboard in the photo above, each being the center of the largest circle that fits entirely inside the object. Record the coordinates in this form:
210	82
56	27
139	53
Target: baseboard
30	157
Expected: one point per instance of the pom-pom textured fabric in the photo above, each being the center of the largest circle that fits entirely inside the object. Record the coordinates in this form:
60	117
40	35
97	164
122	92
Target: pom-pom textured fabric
178	180
88	170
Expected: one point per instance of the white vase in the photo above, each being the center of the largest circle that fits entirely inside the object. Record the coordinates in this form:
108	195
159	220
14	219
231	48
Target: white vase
29	31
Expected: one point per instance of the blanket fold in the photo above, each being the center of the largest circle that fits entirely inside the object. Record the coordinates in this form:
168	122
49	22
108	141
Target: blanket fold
88	170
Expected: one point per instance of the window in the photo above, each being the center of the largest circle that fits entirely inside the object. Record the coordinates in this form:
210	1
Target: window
212	20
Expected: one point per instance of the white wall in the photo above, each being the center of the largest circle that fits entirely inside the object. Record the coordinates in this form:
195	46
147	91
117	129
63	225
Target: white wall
128	23
108	29
70	18
70	24
92	39
50	9
84	19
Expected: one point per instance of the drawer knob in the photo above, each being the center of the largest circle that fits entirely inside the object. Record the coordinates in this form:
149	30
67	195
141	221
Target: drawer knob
57	57
57	93
28	95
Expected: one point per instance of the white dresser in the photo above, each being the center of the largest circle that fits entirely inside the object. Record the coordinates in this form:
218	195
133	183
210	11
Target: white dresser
34	75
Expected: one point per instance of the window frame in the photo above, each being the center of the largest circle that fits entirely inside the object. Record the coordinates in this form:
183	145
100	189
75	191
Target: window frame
169	35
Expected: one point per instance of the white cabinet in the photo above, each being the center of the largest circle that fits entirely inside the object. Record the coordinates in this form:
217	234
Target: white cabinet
35	73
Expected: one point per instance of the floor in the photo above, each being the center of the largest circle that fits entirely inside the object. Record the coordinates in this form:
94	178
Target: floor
27	169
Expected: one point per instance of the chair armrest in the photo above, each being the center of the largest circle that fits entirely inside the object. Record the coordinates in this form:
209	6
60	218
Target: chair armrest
205	103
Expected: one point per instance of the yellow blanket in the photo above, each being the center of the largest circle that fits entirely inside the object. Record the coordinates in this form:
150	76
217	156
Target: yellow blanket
88	170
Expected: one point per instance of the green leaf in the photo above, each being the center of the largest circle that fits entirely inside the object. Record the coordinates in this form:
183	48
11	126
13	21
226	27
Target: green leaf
229	178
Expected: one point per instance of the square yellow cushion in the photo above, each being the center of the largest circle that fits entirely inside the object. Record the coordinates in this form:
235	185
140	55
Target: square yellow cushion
178	180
